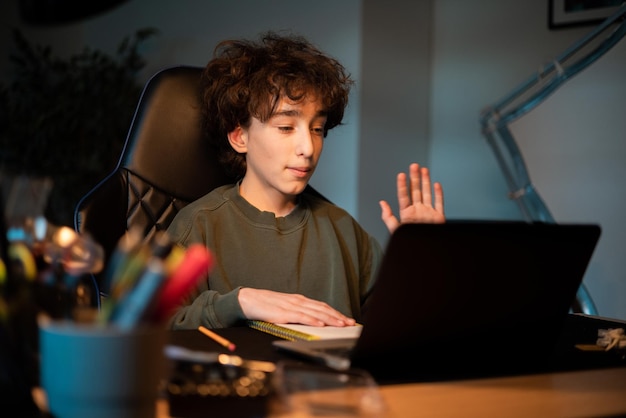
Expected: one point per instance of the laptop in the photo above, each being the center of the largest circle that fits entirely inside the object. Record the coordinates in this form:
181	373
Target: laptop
464	299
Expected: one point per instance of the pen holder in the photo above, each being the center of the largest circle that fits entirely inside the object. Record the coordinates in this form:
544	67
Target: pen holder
92	371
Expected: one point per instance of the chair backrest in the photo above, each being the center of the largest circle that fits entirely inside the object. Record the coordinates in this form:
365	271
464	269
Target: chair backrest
166	163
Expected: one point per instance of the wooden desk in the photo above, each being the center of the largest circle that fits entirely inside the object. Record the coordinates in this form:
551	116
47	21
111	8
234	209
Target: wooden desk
600	392
572	394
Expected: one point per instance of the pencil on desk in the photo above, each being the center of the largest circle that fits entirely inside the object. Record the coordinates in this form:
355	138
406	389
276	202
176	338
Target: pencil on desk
218	339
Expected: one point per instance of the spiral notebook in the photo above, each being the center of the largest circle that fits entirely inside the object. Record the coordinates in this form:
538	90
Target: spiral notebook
464	298
298	332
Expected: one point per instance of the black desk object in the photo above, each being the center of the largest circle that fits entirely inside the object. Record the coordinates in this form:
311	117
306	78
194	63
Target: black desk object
201	389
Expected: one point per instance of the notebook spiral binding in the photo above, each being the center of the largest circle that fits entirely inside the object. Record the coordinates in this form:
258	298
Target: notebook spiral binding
281	332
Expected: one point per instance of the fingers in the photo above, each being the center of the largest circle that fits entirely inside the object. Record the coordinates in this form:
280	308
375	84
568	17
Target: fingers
438	198
421	192
414	175
313	312
390	221
404	200
426	190
321	319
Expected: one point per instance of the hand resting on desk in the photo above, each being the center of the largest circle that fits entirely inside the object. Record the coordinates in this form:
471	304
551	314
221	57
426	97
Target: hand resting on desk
283	308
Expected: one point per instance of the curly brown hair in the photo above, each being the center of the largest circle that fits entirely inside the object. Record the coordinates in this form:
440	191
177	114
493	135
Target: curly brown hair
246	79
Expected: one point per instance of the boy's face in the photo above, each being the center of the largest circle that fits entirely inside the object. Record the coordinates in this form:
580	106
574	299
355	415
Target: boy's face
282	153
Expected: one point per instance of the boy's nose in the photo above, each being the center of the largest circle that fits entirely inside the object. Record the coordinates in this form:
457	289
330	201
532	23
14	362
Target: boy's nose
305	145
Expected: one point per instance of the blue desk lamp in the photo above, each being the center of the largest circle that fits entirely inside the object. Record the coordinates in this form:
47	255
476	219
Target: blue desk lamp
496	118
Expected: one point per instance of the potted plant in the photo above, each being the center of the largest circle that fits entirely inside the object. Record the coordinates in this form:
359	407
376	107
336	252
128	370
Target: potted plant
67	119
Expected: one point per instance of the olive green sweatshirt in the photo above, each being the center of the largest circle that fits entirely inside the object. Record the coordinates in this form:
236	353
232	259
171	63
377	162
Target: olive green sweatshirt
318	250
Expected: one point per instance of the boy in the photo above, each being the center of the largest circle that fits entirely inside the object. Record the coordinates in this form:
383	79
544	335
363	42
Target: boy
283	254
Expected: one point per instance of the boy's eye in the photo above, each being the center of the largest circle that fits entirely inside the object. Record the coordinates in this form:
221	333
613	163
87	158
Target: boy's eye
318	131
285	128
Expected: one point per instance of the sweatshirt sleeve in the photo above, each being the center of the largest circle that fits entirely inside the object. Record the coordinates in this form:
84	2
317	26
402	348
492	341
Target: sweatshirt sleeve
209	309
203	306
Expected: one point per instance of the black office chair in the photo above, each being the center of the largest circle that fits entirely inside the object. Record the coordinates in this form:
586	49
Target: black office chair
166	163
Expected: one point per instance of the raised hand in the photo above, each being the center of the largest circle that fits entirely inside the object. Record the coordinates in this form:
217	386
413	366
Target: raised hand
416	202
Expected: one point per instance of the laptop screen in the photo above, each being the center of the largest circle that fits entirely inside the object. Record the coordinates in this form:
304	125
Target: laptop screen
472	296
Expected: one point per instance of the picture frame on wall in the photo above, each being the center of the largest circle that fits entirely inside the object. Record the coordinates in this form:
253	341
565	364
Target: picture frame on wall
568	13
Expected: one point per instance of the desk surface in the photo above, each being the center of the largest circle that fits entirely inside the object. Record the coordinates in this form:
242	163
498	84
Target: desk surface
567	394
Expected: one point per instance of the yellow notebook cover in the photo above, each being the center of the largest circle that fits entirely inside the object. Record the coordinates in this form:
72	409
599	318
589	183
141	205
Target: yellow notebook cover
296	332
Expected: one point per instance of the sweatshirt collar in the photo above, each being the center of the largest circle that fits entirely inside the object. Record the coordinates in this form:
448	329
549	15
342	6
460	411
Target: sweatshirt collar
294	219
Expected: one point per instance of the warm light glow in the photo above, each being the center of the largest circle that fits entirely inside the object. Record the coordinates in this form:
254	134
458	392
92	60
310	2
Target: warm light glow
64	237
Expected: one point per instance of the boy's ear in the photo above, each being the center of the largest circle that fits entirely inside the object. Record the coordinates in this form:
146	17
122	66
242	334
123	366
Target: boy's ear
238	139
